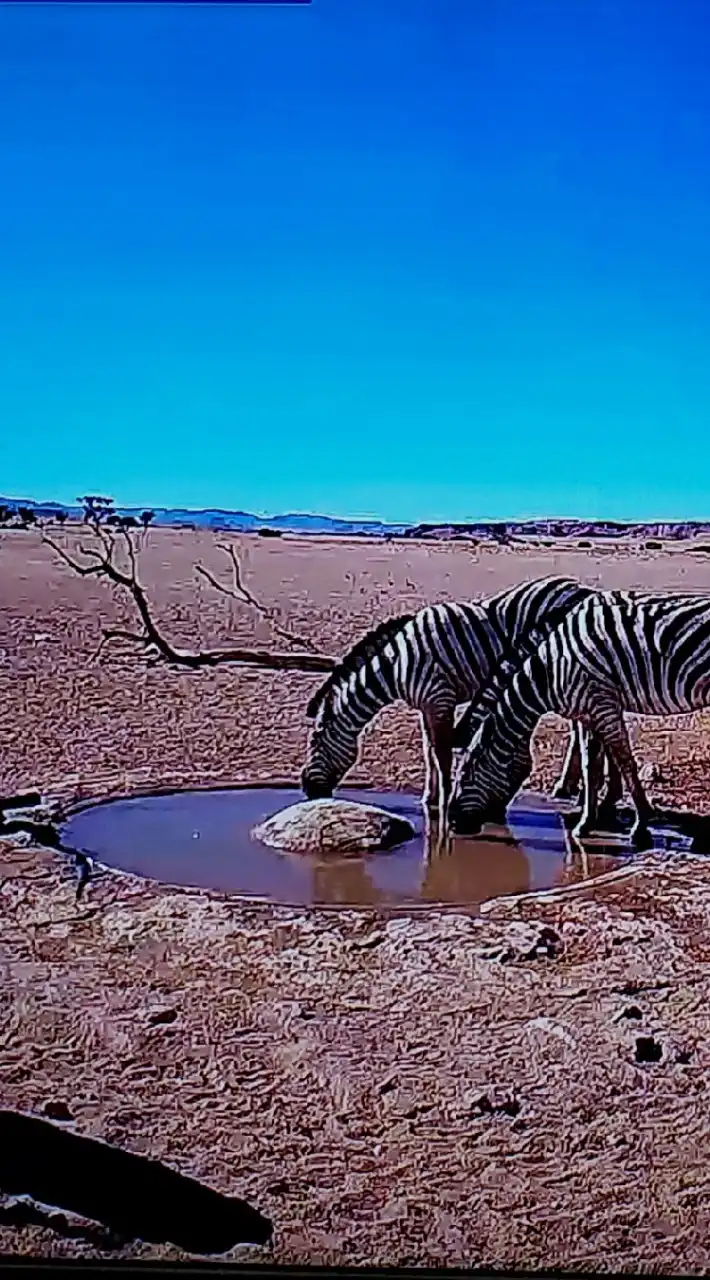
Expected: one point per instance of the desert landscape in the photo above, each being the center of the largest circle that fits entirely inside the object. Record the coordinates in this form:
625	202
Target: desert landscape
523	1086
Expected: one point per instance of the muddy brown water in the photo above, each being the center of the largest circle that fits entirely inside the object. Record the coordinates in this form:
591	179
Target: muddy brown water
202	839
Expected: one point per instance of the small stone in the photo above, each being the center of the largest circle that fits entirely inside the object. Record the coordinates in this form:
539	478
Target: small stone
162	1017
631	1011
337	827
369	941
650	773
648	1049
548	945
500	1103
57	1110
280	1188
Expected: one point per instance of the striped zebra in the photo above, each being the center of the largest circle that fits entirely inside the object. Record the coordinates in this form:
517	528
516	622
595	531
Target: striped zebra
434	661
615	652
571	778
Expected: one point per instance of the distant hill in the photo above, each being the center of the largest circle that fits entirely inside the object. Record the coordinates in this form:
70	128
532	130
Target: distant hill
230	520
293	522
563	529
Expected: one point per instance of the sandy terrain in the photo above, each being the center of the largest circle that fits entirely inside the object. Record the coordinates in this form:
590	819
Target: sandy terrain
330	1066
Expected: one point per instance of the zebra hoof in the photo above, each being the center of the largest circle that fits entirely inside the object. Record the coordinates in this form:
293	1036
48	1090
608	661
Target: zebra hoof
641	838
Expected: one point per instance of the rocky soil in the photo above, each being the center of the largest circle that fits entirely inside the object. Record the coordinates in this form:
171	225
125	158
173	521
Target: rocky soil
523	1089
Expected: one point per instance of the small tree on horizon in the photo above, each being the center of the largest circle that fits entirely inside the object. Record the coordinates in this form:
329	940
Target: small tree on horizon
96	508
26	517
146	518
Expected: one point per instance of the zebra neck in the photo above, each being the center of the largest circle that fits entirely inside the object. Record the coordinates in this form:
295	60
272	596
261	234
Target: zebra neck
527	697
366	694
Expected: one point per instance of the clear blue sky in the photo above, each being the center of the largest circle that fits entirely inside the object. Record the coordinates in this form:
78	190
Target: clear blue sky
415	259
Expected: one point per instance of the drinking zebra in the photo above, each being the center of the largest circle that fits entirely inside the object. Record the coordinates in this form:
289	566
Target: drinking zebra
615	652
433	660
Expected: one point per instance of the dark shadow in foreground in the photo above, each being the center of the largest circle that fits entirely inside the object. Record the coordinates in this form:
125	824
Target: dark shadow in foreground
131	1196
21	1213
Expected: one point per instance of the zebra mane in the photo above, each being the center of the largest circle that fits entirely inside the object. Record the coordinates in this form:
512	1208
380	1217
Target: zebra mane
367	647
482	705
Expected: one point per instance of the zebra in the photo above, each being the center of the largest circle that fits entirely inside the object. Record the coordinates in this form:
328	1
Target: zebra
616	652
433	660
571	777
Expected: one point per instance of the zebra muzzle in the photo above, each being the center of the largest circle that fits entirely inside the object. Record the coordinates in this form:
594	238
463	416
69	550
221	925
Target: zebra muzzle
462	823
315	788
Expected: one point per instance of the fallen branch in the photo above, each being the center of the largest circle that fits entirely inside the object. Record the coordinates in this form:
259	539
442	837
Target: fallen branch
240	592
103	564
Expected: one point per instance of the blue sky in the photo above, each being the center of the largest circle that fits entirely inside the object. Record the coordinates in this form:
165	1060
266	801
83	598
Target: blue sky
415	259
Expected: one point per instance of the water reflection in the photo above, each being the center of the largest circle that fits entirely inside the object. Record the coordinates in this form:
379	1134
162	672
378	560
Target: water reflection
463	872
203	840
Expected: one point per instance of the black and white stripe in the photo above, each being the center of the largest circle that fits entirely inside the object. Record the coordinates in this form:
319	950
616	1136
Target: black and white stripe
615	652
434	661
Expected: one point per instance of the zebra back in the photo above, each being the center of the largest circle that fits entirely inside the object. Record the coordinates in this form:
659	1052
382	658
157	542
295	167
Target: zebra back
518	611
523	616
595	607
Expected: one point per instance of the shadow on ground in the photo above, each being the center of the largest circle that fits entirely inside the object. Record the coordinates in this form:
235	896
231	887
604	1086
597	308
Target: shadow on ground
132	1197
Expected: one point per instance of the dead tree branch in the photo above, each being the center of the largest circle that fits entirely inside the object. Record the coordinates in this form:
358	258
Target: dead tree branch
103	564
240	592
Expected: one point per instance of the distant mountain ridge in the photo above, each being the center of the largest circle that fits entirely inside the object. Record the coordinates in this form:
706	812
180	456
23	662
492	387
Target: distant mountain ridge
293	522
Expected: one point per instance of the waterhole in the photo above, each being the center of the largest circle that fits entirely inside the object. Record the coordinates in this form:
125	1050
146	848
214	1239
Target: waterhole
202	839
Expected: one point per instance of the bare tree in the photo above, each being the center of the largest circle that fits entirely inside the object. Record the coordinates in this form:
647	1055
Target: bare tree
102	561
96	509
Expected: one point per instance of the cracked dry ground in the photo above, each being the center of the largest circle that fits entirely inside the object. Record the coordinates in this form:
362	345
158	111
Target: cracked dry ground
430	1090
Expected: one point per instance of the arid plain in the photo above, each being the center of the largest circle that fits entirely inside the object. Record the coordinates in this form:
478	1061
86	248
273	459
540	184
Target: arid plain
434	1090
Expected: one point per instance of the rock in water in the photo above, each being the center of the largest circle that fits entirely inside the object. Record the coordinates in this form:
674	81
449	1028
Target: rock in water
333	826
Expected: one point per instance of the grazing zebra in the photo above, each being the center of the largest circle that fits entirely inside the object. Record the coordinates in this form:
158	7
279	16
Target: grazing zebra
615	652
433	660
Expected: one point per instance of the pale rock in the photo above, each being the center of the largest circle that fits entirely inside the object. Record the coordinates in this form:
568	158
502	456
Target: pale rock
337	827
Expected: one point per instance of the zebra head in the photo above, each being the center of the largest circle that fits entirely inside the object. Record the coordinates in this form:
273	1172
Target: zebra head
489	773
332	751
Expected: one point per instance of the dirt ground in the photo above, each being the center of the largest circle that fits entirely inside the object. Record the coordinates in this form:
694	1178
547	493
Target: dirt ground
433	1090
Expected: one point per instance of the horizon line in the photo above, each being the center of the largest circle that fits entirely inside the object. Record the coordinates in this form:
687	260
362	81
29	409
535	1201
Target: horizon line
375	520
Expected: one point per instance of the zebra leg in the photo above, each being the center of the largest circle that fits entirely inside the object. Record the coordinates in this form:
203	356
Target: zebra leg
430	794
592	762
614	793
567	787
609	724
440	732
